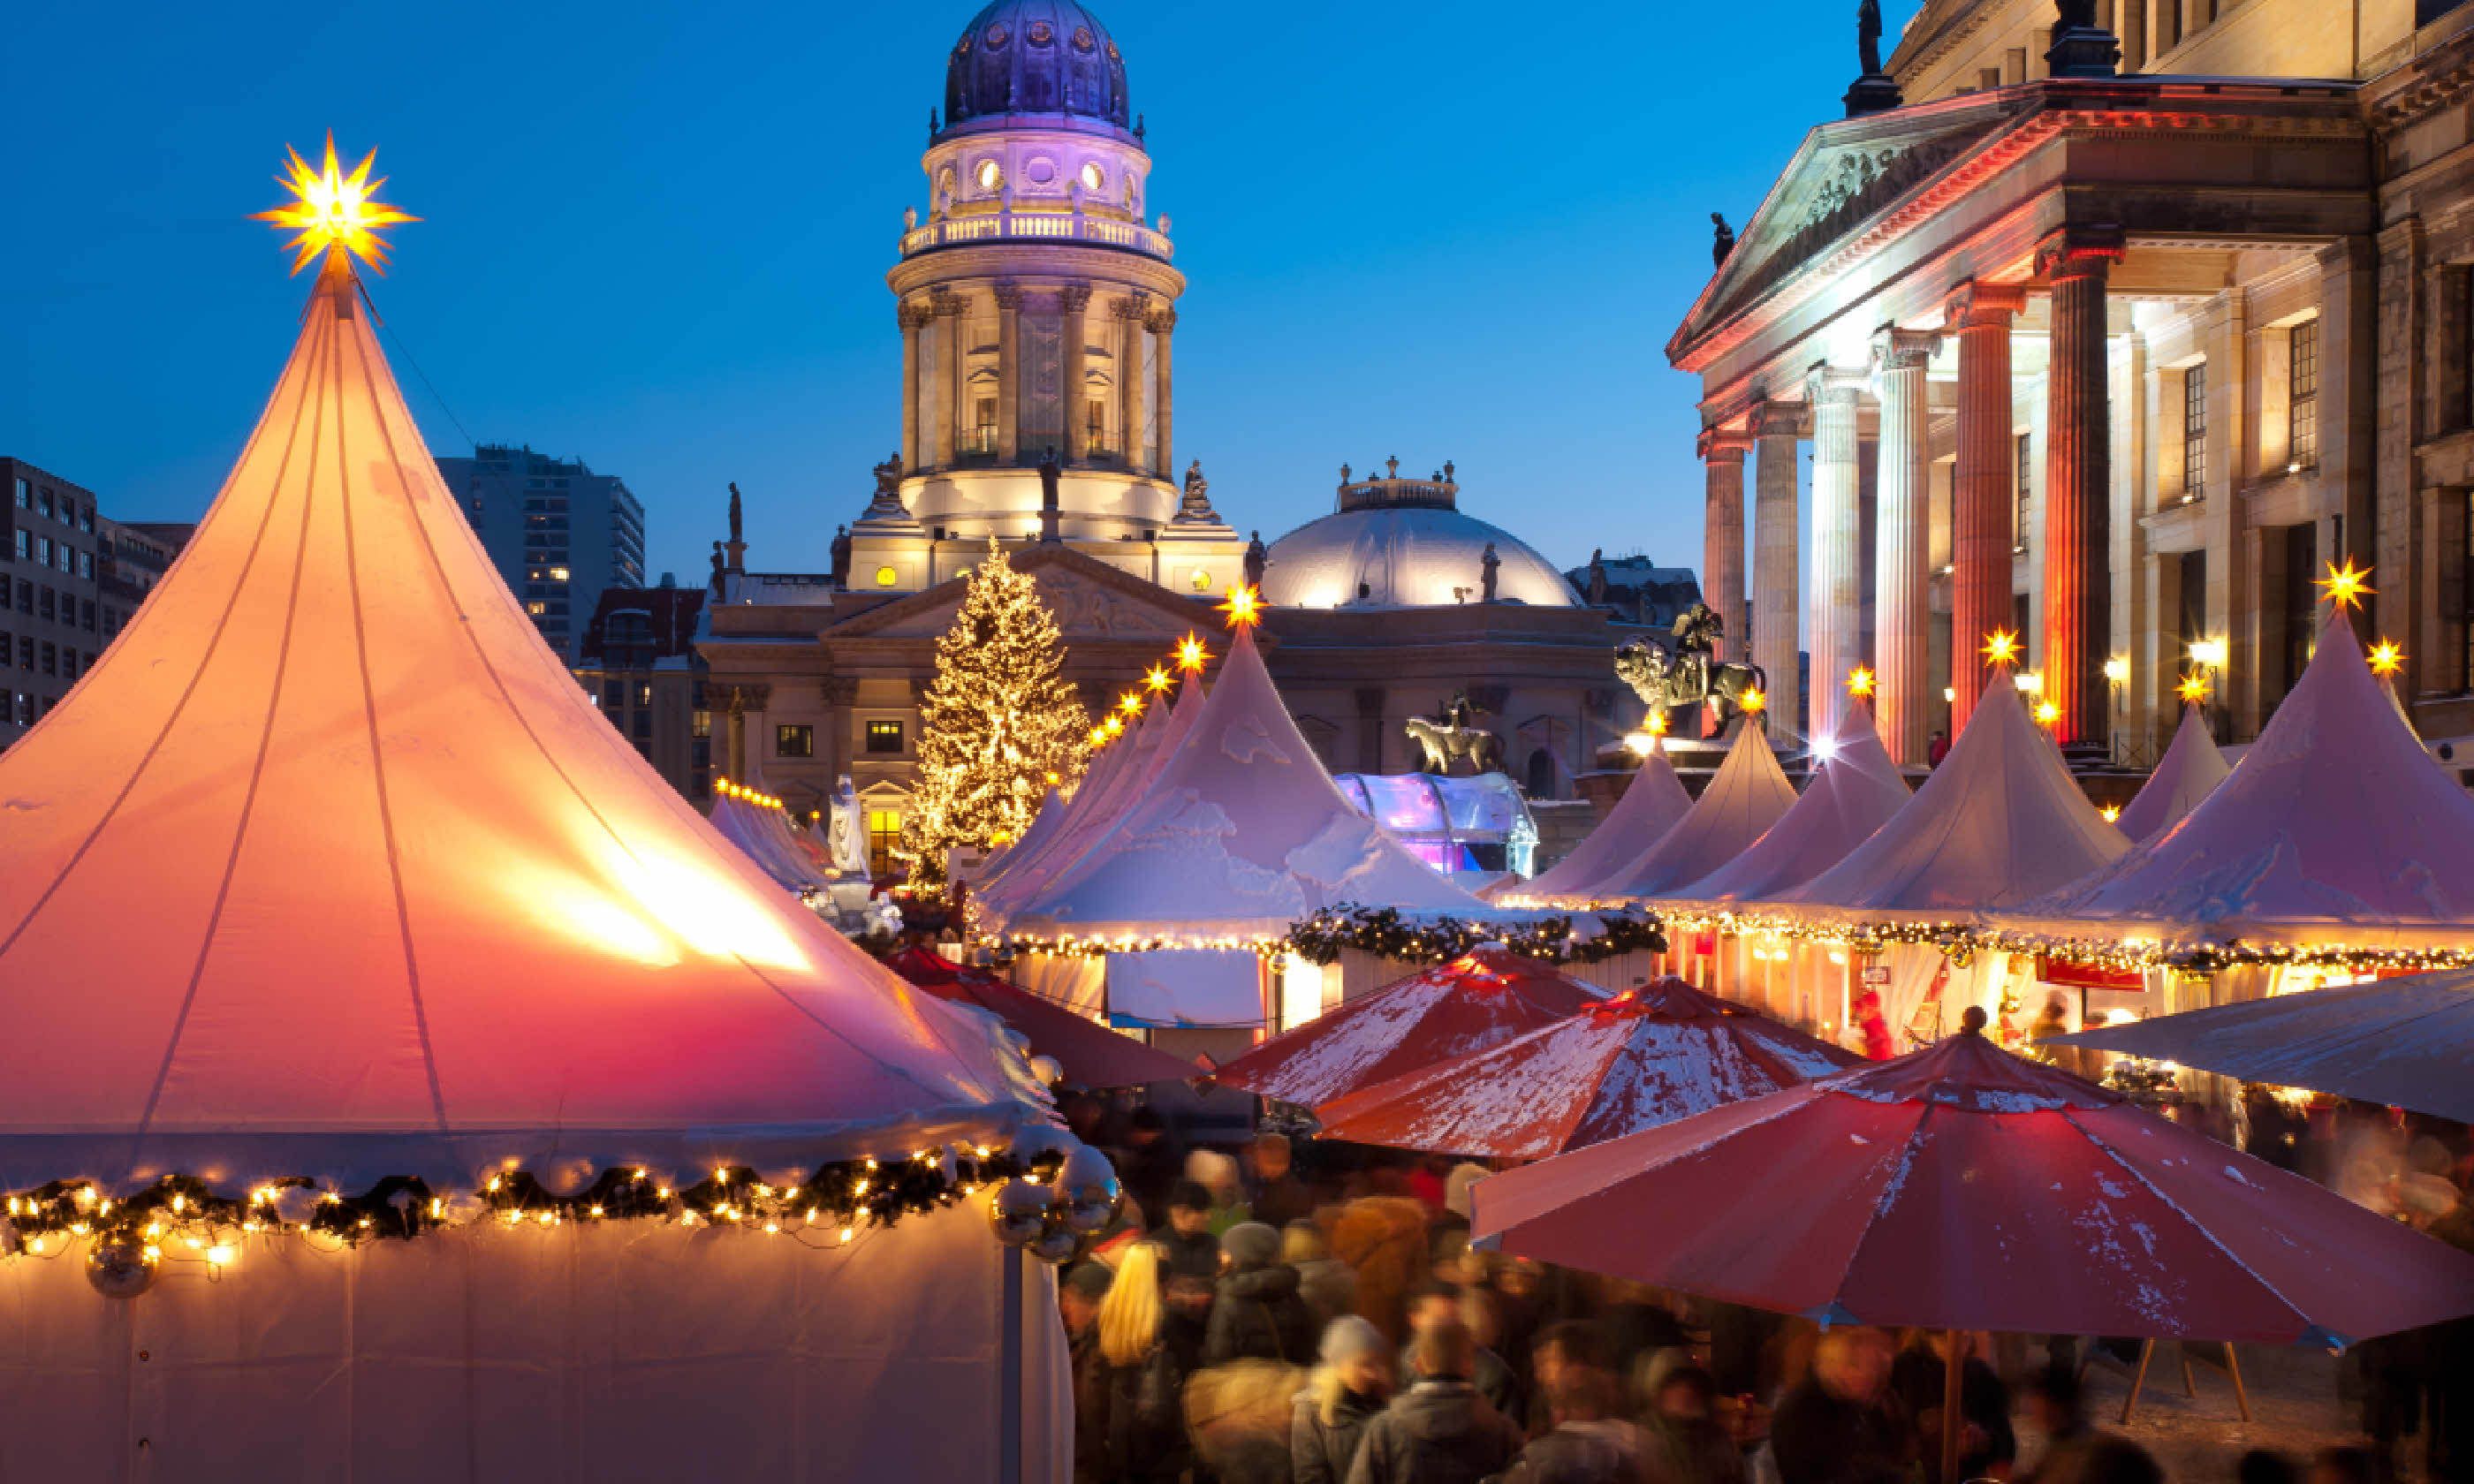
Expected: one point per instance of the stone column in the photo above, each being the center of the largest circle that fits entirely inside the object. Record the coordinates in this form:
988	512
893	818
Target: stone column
1009	295
913	319
2078	485
937	407
1902	683
1835	626
1722	536
1162	324
1129	382
1979	314
958	371
1075	301
1775	427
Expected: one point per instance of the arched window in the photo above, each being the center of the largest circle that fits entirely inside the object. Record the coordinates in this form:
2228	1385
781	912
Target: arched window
1541	774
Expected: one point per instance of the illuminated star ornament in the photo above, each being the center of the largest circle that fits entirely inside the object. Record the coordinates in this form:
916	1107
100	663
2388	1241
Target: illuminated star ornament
2001	647
1657	723
1752	700
2194	690
1244	608
2048	712
2386	658
2344	586
1191	655
1859	681
1130	703
332	210
1156	679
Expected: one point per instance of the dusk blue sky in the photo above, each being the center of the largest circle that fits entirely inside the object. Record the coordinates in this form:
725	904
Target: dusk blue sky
656	237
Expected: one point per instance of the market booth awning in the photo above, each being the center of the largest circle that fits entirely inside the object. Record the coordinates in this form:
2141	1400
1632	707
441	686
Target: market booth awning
1645	1057
2189	770
2337	838
1651	806
1746	796
1854	793
2404	1042
1090	1053
1961	1187
1483	998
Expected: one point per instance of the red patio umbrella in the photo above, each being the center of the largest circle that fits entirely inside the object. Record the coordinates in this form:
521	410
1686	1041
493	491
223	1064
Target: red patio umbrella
1649	1056
1090	1053
1480	999
1962	1187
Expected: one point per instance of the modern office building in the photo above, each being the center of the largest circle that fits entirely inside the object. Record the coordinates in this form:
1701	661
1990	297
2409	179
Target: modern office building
638	662
557	532
51	629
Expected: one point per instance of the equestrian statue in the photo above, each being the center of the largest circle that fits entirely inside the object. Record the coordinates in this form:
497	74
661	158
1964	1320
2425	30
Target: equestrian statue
1681	671
1452	735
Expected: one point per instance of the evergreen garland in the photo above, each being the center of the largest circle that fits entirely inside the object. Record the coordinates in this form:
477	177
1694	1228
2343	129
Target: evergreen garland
1388	933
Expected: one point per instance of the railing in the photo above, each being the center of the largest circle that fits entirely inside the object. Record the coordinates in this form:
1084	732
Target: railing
1040	225
979	442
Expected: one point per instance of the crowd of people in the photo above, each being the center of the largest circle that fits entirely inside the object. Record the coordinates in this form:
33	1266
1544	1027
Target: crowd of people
1313	1313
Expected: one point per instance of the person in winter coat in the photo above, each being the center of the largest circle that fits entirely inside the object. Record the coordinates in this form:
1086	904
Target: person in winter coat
1079	1297
1439	1303
1257	1314
1916	1379
1185	1238
1344	1392
1140	1425
1440	1432
1279	1197
1324	1281
1681	1441
1836	1425
1588	1445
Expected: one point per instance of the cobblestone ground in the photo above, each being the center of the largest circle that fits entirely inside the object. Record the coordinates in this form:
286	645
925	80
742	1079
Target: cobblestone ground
2294	1410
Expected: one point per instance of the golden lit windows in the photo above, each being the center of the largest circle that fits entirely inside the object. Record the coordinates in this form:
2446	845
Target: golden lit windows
991	175
1094	178
558	574
885	736
1201	581
537	607
887	577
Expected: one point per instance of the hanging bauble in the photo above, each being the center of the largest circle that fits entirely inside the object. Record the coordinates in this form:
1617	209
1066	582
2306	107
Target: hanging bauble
1086	1190
1056	1243
1019	1213
119	1269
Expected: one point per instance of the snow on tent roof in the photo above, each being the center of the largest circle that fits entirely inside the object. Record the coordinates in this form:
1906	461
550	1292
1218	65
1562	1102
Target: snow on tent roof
1855	793
1240	833
1652	804
1097	806
2335	829
1999	822
410	904
2184	775
1742	801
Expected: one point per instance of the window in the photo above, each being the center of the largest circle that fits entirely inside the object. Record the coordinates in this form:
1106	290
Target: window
2303	411
885	736
43	551
614	695
85	563
558	574
49	607
86	519
69	664
25	652
791	741
43	500
25	708
641	725
2194	431
537	607
25	597
25	544
51	658
644	694
2024	451
25	494
86	614
700	725
2301	598
883	833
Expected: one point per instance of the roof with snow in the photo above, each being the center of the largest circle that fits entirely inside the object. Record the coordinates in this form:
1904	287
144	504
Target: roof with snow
2190	769
1746	796
1651	806
1855	793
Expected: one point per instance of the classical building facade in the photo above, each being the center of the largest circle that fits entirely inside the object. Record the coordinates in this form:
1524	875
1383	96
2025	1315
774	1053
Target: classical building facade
1038	306
2112	324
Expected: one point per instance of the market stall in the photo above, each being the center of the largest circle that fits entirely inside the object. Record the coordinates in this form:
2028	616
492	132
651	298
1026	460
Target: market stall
1651	806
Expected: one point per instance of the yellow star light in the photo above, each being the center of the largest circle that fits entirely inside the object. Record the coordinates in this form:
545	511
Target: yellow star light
1156	679
2111	812
2001	647
1191	655
2386	658
1114	728
1859	681
334	210
1098	736
1753	701
2194	688
1657	723
1130	703
1244	608
2048	712
2344	586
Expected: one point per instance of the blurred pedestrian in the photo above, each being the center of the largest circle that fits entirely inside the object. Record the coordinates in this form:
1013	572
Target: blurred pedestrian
1681	1441
2057	1410
1345	1392
1276	1195
1382	1237
1256	1314
1589	1444
1440	1430
1141	1420
1186	1239
1836	1426
1324	1281
1917	1377
1079	1297
1441	1303
1149	1161
1217	1173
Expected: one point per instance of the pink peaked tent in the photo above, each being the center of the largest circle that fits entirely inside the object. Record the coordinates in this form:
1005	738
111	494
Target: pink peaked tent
1651	806
1126	769
1857	791
2189	770
410	905
1999	822
1746	797
327	870
1239	833
2336	829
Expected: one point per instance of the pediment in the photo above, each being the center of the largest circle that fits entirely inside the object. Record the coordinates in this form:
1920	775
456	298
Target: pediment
1091	601
1846	176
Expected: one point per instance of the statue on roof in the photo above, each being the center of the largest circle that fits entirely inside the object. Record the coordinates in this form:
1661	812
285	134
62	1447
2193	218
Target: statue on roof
887	503
737	536
719	563
1724	241
1868	34
1195	507
2074	14
841	552
1255	558
1597	576
1488	566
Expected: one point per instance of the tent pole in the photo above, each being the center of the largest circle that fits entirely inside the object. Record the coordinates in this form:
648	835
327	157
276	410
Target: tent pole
1952	1377
1010	1429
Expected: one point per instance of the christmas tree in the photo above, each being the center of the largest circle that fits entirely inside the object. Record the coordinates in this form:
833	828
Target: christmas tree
999	727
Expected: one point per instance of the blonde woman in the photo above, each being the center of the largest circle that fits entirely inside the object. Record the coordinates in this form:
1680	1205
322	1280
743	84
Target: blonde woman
1143	1427
1345	1391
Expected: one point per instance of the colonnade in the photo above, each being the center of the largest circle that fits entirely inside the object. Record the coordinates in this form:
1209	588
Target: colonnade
941	425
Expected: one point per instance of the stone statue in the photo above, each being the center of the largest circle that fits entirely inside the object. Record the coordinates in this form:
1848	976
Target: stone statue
1686	675
887	503
1868	34
841	550
1452	735
847	839
932	125
718	562
1195	507
1255	558
737	536
1597	576
1049	471
909	218
2075	15
1724	242
1488	564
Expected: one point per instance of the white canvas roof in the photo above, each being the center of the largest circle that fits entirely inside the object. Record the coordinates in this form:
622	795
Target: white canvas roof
2190	769
1652	804
1240	834
404	902
1100	802
2335	829
1999	822
1855	793
1740	803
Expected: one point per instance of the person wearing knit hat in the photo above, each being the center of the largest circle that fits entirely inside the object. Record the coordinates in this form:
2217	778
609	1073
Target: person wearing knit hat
1345	1391
1193	1252
1257	1314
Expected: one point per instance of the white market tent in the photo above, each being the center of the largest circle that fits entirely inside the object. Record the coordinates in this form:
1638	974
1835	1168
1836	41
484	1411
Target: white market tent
329	872
1746	796
760	828
1651	806
2191	769
1855	793
2336	834
1126	768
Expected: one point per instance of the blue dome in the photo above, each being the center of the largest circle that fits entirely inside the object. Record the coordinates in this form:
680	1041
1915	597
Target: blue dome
1047	58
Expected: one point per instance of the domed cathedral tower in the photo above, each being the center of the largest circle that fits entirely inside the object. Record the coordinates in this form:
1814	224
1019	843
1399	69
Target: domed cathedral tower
1038	309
